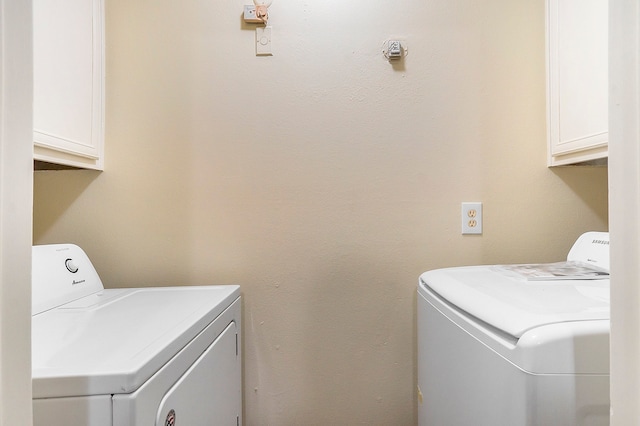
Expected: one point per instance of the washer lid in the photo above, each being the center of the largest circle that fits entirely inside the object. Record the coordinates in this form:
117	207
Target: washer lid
516	305
113	341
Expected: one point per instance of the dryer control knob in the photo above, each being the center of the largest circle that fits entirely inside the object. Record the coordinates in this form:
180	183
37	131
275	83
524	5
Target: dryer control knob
71	266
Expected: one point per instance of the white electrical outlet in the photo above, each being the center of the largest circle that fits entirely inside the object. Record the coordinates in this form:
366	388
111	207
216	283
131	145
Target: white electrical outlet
471	218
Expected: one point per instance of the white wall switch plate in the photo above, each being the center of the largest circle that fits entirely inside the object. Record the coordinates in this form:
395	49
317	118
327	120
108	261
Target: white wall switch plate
471	218
263	41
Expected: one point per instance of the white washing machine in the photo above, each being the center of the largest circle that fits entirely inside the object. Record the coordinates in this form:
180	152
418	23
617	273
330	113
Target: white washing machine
131	357
516	345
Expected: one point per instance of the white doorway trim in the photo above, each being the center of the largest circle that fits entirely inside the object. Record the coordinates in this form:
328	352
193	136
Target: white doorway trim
624	204
16	200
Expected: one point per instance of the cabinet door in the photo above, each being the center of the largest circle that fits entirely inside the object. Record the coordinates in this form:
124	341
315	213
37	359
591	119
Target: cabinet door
69	82
577	46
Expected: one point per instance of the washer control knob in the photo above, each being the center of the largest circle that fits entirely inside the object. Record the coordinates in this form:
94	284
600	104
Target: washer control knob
71	266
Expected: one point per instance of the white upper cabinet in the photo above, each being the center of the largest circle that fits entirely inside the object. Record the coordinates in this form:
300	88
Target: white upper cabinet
68	116
577	80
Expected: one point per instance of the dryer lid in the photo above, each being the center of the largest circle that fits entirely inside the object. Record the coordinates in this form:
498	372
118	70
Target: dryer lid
114	340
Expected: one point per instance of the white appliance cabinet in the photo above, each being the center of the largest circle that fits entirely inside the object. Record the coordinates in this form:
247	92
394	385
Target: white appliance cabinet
577	81
68	117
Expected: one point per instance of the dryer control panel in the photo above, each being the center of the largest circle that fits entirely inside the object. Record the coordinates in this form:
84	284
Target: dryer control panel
61	273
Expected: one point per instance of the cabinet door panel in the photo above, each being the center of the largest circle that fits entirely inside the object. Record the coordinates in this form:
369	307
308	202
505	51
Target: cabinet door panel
68	82
578	80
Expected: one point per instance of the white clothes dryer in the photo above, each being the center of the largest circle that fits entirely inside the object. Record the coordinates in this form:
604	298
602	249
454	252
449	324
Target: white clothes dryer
516	345
131	357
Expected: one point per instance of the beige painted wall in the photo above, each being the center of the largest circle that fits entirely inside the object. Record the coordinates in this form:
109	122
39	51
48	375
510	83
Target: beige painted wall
323	179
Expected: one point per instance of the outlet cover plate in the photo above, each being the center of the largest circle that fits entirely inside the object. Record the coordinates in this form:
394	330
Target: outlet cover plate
471	218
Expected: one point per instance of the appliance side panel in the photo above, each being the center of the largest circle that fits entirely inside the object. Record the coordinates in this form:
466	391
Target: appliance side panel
87	410
569	400
463	381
